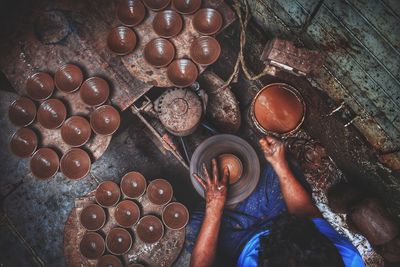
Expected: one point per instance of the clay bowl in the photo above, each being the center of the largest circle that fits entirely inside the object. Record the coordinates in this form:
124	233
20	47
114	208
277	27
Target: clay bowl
159	192
186	6
205	50
118	241
182	72
76	131
207	21
75	164
156	5
131	12
234	165
150	229
23	142
175	216
109	261
127	213
44	163
68	78
121	40
107	194
159	52
22	112
51	113
105	120
92	245
40	86
278	108
93	217
94	91
133	185
167	23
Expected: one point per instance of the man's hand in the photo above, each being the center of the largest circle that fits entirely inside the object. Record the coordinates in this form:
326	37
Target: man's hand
274	150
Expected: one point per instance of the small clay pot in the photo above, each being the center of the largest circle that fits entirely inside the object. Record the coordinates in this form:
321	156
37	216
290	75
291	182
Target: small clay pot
207	21
342	196
156	5
93	217
167	23
186	6
51	113
75	163
127	213
131	12
159	192
205	50
92	245
23	142
390	251
40	86
234	165
109	261
44	163
121	40
105	120
94	91
68	78
133	185
175	216
150	229
118	241
22	112
107	194
159	52
76	131
182	72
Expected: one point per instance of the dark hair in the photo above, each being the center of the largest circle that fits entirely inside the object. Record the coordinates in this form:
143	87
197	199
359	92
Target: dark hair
295	241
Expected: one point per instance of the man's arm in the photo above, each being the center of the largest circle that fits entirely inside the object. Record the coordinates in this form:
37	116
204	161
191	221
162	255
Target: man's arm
297	200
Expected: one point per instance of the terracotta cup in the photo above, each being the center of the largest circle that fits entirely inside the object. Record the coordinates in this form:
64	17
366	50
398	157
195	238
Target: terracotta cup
105	120
107	194
133	185
121	40
23	142
75	163
118	241
127	213
109	261
94	91
182	72
159	192
68	78
92	245
22	112
159	52
167	23
51	113
234	165
186	6
156	5
76	131
150	229
207	21
44	163
131	12
175	216
40	86
205	50
93	217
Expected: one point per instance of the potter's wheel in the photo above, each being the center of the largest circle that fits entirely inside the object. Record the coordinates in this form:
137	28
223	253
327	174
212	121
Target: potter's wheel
223	144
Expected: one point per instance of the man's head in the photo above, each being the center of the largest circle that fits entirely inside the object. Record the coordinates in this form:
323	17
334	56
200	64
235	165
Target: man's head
295	241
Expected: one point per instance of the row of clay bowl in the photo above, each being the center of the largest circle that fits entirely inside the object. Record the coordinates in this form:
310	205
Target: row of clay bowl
126	212
160	52
52	114
367	216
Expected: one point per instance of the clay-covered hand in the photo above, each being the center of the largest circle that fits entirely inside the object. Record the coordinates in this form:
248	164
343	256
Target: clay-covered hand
215	187
273	149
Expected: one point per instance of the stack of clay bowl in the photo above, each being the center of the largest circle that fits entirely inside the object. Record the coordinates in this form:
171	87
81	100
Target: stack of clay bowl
118	219
51	115
367	216
168	23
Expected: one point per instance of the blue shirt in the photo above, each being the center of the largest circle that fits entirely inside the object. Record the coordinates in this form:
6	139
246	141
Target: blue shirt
351	258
